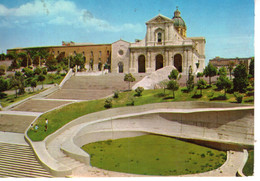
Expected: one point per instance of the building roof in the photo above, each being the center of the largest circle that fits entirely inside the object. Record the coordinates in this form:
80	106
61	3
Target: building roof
177	20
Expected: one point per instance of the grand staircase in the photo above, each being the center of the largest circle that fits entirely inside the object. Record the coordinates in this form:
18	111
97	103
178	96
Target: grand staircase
19	161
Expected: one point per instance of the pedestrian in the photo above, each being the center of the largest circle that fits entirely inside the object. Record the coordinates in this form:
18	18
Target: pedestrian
46	124
36	128
31	127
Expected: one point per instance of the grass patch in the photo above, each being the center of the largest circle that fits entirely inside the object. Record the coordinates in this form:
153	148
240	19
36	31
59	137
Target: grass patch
10	99
53	79
248	169
62	116
153	155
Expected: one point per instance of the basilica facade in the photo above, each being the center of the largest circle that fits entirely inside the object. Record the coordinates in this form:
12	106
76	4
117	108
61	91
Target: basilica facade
165	44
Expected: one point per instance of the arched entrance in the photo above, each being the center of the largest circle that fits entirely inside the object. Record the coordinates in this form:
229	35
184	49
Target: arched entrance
159	62
120	67
141	64
177	62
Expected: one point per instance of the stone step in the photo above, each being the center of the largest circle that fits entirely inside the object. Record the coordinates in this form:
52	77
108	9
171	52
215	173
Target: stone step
8	174
16	150
11	172
18	157
22	163
23	167
13	145
19	161
70	162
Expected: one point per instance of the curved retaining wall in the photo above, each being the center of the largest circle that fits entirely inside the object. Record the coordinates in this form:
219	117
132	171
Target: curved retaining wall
218	122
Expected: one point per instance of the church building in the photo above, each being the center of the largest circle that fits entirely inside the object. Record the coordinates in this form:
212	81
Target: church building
165	44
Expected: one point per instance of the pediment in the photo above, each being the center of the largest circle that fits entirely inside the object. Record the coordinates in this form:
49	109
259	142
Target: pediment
159	19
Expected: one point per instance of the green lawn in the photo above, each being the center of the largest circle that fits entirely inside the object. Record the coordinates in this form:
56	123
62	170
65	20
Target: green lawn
153	155
248	169
10	99
53	78
62	116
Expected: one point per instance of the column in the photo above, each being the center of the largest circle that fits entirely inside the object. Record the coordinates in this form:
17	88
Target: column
148	33
166	33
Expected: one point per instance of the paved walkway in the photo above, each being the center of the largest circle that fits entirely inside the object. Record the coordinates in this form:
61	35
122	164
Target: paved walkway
21	113
13	138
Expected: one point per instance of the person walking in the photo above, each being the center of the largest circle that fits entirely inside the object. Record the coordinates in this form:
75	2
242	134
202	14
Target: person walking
36	128
46	124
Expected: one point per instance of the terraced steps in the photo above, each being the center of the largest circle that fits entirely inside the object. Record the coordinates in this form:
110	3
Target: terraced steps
19	161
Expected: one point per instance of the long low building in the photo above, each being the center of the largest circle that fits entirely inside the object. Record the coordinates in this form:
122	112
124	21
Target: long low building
224	62
165	44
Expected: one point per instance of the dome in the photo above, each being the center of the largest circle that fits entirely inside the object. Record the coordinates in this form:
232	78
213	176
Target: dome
178	21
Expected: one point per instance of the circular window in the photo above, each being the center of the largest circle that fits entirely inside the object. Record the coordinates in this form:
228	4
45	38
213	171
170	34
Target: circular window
120	52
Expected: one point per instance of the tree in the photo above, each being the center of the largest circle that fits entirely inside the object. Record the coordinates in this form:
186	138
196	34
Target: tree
202	84
77	60
174	86
190	81
222	71
2	70
252	67
108	103
231	65
199	75
240	80
23	59
3	86
41	78
33	84
51	63
129	78
210	71
2	56
28	72
37	71
163	84
20	82
174	74
223	83
139	91
14	84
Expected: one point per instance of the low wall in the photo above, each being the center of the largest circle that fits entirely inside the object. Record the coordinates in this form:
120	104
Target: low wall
232	129
67	77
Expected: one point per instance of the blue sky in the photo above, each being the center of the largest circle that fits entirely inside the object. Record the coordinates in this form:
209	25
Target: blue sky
227	25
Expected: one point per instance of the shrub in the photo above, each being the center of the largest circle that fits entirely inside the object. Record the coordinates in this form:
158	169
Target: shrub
3	95
239	97
131	101
108	103
250	93
220	97
116	94
174	74
196	95
139	91
250	99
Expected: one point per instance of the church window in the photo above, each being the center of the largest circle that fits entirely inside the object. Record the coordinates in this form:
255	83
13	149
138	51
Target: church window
120	52
91	53
159	37
100	53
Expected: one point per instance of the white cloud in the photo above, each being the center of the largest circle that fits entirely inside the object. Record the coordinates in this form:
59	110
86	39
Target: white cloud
61	12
